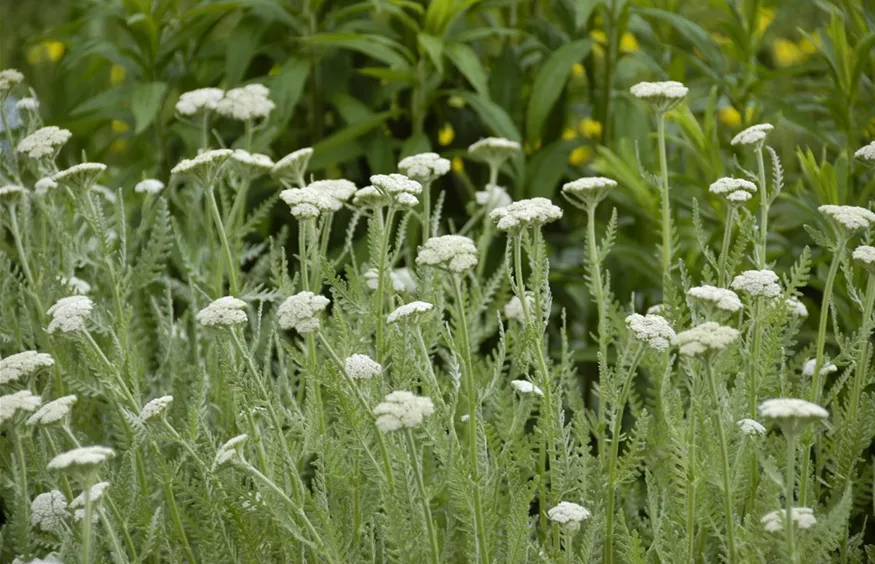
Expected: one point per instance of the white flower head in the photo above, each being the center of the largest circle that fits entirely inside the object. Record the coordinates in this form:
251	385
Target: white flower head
52	412
750	427
454	253
533	212
203	166
568	514
494	150
83	458
792	410
513	309
253	163
95	492
402	409
149	186
224	312
247	103
78	285
662	96
155	408
753	135
50	558
82	175
22	400
340	189
865	255
23	364
811	364
294	165
44	142
228	450
196	101
301	312
803	517
866	154
721	298
308	203
9	79
494	196
852	218
397	188
43	185
734	190
370	197
48	511
424	167
27	105
401	278
656	309
362	367
651	330
757	283
413	310
69	314
709	337
588	191
526	387
10	192
796	307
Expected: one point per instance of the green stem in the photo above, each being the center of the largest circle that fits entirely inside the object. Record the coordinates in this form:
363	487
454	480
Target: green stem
86	522
205	131
724	458
114	543
691	490
860	369
790	480
753	368
174	510
615	450
220	227
19	246
666	199
386	232
724	249
420	485
23	498
597	287
426	211
764	208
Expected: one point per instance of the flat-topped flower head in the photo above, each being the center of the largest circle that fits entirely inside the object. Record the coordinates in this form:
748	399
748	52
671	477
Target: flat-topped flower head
247	103
796	307
50	558
709	337
155	408
149	186
43	185
720	298
224	312
9	79
78	285
412	311
811	364
492	197
569	515
44	142
340	189
513	309
802	517
750	427
754	135
865	256
525	387
852	218
533	212
370	197
402	409
200	100
10	193
866	154
663	96
53	412
308	203
82	458
294	165
48	511
229	450
657	309
651	330
494	150
401	279
757	283
398	189
27	105
70	314
204	166
792	411
424	167
301	312
253	164
95	492
82	176
455	253
23	401
362	367
736	191
23	364
588	191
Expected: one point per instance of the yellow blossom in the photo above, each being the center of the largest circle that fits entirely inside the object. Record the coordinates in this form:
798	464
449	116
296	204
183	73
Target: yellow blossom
118	146
119	126
765	19
458	165
599	36
274	70
116	75
569	133
456	102
579	155
808	46
590	128
530	148
55	50
729	116
446	134
786	53
577	71
628	43
45	51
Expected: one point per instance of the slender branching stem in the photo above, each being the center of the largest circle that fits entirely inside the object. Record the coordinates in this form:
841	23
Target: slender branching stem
666	198
598	296
423	496
382	275
764	208
789	483
223	237
723	275
88	518
724	459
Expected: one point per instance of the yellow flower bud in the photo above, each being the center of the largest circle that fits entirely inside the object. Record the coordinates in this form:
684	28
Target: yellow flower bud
119	126
577	71
590	128
116	75
458	165
628	43
446	134
580	155
569	133
729	116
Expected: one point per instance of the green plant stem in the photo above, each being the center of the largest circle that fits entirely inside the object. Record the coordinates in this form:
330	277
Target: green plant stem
483	548
23	498
615	450
19	246
753	367
691	490
386	233
790	481
426	211
816	378
666	198
174	509
220	227
420	485
597	288
114	543
724	458
86	521
764	208
302	254
205	130
723	276
860	369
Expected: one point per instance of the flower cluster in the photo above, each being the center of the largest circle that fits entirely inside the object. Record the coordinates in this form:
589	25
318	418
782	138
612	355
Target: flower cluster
526	387
753	135
721	298
757	283
803	517
48	511
340	189
587	191
397	189
852	218
149	186
750	427
95	492
733	190
494	150
651	330
493	196
792	409
69	314
525	213
402	409
23	364
155	408
83	458
22	400
362	367
82	175
301	312
411	310
203	164
663	96
228	450
401	278
294	165
308	203
9	79
811	364
568	514
247	103
513	309
202	99
866	153
455	253
44	142
424	167
52	412
224	312
253	163
709	337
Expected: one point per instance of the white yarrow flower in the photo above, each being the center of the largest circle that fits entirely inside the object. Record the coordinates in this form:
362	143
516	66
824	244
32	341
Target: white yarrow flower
866	154
663	96
362	367
195	101
48	511
734	190
11	191
411	310
80	175
308	203
22	400
224	312
424	167
52	412
402	409
810	364
796	307
69	314
340	189
44	142
228	450
526	387
293	165
397	188
852	218
651	330
792	409
589	190
78	285
27	105
865	255
494	150
750	427
753	135
83	457
95	492
513	309
757	283
721	298
249	102
493	197
202	164
454	253
569	514
16	366
803	517
709	337
149	186
301	312
255	162
401	278
9	79
155	408
533	212
43	185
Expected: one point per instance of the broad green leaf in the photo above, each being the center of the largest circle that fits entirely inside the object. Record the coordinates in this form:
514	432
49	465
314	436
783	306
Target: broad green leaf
465	59
288	85
688	29
146	100
369	45
549	84
494	117
414	145
545	169
583	9
239	52
434	47
326	148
